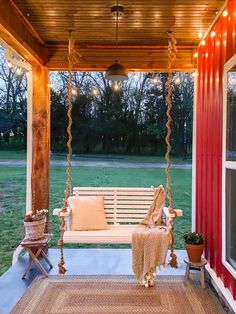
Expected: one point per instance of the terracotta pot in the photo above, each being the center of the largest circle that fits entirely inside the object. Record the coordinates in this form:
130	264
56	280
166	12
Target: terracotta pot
34	230
194	252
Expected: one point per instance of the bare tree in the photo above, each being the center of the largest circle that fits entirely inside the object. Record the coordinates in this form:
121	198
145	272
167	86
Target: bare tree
13	93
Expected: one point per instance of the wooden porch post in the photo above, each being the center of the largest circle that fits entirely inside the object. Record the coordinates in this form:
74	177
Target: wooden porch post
40	138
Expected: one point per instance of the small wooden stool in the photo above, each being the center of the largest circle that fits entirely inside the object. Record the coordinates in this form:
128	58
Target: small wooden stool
200	265
36	250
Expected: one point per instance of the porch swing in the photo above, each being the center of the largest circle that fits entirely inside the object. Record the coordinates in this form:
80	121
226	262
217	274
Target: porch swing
124	207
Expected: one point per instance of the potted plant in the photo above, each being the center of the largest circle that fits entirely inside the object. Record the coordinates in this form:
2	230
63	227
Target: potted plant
35	224
194	244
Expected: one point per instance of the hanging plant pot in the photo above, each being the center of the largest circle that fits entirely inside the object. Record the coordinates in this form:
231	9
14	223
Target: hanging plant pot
34	230
194	252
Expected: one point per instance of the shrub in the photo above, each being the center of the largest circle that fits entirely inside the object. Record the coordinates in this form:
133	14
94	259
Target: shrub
193	238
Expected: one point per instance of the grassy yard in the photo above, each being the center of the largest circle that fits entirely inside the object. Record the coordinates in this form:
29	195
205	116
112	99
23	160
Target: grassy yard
21	155
12	197
13	154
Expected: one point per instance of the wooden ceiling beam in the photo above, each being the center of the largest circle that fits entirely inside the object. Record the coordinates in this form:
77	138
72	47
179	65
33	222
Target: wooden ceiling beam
134	59
20	36
122	47
139	67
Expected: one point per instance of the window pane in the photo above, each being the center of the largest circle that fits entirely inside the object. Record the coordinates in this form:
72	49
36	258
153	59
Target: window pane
231	117
231	217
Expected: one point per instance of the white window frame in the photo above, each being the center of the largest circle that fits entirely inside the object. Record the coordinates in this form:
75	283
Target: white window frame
17	60
194	152
226	165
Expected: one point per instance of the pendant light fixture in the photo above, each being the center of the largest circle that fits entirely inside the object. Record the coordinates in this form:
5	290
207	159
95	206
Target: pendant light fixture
116	72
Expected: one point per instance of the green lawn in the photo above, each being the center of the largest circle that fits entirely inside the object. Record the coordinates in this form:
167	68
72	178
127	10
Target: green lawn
21	155
12	198
12	154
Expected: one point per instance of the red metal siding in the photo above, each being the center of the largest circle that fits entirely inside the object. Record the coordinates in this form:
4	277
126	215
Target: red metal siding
209	112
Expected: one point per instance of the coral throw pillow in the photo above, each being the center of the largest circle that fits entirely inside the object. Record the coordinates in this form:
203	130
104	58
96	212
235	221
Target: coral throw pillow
87	213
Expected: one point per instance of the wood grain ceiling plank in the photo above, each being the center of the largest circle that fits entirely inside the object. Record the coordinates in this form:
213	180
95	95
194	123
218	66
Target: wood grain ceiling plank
144	23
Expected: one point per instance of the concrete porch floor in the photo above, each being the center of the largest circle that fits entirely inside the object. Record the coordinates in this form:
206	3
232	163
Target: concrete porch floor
77	262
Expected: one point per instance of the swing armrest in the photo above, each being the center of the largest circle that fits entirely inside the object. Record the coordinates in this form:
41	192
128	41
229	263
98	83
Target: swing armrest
179	213
58	212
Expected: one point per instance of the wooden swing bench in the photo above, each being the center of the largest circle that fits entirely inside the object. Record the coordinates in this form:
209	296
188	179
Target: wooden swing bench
124	209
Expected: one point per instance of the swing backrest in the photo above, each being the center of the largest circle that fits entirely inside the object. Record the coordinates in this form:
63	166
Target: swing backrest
122	205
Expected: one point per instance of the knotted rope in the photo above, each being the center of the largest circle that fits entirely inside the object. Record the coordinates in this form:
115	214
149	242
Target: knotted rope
171	57
72	58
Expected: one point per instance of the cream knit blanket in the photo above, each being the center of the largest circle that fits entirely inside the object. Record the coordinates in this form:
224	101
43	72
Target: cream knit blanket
150	241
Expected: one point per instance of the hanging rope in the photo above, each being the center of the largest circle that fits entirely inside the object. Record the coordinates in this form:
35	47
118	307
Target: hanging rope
72	58
171	57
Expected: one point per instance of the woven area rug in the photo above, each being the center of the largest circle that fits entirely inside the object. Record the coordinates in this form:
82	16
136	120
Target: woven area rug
115	294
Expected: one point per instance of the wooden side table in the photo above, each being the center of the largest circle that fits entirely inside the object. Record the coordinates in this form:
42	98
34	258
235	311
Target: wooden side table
200	265
36	250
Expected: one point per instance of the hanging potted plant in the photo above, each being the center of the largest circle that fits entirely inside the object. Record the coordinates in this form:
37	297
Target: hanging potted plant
35	224
194	244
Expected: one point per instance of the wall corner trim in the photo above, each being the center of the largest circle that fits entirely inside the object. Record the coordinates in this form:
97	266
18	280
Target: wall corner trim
219	285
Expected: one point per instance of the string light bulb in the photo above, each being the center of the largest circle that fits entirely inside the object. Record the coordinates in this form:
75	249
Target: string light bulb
94	91
177	81
200	35
203	42
116	86
19	71
225	13
9	64
50	85
195	55
213	34
74	92
155	80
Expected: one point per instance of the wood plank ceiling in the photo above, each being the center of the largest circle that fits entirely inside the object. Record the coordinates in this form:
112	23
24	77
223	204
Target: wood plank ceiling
142	30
